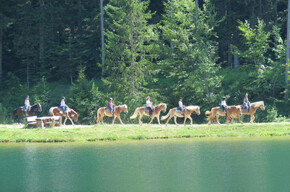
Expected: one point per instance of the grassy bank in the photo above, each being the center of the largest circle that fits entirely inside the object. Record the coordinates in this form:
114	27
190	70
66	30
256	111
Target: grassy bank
12	133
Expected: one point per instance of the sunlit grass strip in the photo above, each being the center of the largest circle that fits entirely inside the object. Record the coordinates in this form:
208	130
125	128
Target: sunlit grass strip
136	132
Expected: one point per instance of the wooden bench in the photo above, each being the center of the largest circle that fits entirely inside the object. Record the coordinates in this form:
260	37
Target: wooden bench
49	121
31	121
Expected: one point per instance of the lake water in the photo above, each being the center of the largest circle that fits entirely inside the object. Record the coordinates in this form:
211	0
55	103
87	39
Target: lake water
166	165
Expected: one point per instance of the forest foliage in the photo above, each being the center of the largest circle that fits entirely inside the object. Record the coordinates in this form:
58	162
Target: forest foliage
166	49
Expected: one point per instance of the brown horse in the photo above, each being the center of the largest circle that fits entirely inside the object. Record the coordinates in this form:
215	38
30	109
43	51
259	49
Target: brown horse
233	112
143	111
56	111
253	108
116	114
176	113
20	111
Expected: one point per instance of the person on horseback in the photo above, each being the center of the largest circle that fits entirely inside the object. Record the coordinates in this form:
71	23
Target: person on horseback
149	105
246	103
224	104
180	107
27	105
63	106
111	105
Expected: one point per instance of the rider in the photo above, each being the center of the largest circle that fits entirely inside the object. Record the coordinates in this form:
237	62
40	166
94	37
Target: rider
246	103
26	105
149	105
224	104
63	106
180	107
111	105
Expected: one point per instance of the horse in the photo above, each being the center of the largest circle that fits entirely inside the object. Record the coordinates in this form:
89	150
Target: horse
143	111
253	108
232	113
116	114
176	113
56	111
20	111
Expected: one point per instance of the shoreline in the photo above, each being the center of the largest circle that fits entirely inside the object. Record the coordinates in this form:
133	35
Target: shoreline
95	133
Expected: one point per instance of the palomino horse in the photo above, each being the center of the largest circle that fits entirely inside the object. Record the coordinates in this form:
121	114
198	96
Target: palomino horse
116	114
253	108
56	111
233	112
20	111
176	113
143	111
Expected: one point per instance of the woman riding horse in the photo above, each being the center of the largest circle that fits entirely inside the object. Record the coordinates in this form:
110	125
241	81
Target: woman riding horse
68	114
156	113
116	113
20	111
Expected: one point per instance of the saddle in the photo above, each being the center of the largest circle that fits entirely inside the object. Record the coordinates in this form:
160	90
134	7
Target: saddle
109	110
150	110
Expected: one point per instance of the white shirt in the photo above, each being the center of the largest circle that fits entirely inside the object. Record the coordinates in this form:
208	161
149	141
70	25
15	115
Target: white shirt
224	103
180	104
26	102
148	103
62	103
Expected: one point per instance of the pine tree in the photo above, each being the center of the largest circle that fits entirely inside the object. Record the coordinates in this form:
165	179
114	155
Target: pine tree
190	63
127	46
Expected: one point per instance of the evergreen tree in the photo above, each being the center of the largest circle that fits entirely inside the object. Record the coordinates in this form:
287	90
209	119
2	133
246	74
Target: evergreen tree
127	46
190	63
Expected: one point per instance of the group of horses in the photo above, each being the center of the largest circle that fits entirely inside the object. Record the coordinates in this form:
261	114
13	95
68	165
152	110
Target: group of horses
231	113
53	111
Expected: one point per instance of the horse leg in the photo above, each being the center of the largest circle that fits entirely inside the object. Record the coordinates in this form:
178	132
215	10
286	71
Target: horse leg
71	121
158	119
65	120
168	120
152	119
140	117
120	120
114	120
252	118
217	120
190	120
175	121
184	120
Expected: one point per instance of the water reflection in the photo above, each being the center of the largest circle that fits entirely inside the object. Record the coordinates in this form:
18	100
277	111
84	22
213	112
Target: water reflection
186	165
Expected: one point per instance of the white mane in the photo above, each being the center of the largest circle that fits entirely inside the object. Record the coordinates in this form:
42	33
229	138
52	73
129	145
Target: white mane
191	108
257	104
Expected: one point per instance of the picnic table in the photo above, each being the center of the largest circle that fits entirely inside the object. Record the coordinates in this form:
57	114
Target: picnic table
50	121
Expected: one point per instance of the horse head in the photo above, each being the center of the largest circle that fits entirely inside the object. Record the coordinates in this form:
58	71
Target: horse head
125	109
262	106
75	116
163	107
39	108
197	110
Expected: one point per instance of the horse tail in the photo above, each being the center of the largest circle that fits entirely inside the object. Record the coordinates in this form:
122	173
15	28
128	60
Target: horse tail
51	111
99	115
208	114
166	116
135	114
14	113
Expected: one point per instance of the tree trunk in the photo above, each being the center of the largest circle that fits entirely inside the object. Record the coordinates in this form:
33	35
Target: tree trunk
27	73
41	37
102	37
230	56
287	55
236	62
196	15
1	34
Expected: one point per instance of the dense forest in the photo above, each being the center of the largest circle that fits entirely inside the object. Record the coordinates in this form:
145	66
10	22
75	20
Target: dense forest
91	50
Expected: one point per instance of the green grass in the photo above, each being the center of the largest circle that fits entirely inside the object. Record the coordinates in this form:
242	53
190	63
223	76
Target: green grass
12	133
